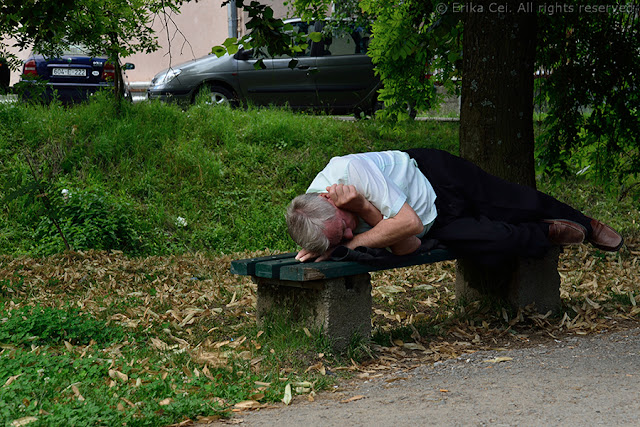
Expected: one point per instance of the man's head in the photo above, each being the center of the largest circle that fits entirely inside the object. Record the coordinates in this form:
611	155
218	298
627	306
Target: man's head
316	224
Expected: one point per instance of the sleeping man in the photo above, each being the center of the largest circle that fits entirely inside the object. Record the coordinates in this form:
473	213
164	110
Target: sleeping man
401	199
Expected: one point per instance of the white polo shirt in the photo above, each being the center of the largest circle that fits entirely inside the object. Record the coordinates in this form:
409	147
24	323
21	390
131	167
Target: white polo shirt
387	179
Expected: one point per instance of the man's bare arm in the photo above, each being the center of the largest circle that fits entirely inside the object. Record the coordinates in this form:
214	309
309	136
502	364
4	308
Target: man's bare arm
348	198
397	233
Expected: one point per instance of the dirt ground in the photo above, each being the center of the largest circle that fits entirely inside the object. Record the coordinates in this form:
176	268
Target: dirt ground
572	381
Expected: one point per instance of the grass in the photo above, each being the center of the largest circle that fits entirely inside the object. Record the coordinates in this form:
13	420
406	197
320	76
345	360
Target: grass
143	324
228	173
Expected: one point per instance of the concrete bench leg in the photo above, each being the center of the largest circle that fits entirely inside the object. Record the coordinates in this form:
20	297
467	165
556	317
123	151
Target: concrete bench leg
520	284
341	306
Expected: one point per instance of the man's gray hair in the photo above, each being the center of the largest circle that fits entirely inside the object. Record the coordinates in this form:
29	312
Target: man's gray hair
306	218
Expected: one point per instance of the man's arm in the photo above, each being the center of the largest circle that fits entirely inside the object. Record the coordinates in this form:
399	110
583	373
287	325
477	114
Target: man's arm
348	198
398	233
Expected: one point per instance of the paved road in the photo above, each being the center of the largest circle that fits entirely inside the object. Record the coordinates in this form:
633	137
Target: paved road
585	381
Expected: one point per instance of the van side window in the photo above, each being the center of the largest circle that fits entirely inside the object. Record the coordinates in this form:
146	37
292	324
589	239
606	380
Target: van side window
355	43
298	27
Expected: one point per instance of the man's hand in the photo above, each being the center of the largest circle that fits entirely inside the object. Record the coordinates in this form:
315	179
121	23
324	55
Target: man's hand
305	255
346	197
398	233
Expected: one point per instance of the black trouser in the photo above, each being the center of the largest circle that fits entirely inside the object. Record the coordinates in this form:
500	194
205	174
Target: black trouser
485	217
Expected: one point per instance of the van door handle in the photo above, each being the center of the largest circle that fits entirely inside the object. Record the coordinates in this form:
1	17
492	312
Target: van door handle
303	67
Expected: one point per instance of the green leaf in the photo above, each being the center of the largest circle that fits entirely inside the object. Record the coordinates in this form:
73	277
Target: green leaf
315	36
293	63
259	65
218	51
230	42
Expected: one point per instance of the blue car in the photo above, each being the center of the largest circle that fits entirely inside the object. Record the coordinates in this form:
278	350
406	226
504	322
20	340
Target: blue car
72	77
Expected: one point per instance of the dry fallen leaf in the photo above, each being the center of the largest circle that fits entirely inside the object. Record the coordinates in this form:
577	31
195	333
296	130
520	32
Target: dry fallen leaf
23	421
76	392
165	402
287	395
208	418
353	399
414	346
11	379
247	404
499	359
118	375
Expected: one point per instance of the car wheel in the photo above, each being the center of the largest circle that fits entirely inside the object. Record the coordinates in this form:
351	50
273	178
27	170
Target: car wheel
216	95
411	111
5	76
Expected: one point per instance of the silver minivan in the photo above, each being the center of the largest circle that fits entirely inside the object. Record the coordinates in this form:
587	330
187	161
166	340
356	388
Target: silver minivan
333	75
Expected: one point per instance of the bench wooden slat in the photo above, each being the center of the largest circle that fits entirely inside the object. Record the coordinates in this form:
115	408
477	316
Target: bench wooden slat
271	269
333	269
247	267
286	267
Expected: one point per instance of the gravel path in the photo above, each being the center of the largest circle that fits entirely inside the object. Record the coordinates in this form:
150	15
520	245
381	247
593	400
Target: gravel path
579	381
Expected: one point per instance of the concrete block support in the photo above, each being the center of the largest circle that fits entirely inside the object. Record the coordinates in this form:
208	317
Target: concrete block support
524	282
341	306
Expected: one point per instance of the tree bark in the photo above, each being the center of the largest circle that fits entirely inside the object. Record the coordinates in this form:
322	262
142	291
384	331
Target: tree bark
496	112
496	119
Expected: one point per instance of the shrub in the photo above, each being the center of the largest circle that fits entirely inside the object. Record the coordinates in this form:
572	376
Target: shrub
92	219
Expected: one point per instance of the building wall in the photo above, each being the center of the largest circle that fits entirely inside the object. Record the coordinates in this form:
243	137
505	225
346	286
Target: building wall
183	37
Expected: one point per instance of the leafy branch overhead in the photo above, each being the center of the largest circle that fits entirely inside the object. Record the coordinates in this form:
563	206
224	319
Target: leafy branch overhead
267	36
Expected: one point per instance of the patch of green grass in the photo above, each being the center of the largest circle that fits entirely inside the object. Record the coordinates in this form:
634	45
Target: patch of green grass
49	326
228	173
64	388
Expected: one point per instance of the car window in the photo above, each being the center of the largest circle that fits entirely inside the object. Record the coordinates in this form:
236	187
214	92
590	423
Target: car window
76	50
343	43
304	28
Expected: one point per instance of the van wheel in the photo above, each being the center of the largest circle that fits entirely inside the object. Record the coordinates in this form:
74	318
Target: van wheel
216	95
411	111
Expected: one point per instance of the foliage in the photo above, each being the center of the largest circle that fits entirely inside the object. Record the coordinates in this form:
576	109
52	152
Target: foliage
266	33
590	52
414	47
411	41
592	64
92	219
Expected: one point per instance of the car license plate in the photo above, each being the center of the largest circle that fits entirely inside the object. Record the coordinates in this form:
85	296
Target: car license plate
75	72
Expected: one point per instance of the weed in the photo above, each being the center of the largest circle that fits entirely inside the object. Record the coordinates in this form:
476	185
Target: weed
50	326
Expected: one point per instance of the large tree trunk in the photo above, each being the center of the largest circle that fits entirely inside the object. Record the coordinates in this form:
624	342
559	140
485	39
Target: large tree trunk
496	133
496	113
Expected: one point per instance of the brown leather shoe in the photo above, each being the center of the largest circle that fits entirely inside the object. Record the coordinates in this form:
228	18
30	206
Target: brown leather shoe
604	237
563	232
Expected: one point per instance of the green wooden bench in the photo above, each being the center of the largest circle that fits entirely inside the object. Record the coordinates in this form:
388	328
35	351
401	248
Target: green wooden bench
334	295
